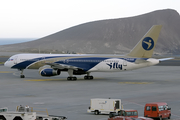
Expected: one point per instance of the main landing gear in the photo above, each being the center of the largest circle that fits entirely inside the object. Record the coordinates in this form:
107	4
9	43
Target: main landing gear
88	77
70	72
22	76
72	78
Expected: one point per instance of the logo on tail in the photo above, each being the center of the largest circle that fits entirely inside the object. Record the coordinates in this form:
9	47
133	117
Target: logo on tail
148	43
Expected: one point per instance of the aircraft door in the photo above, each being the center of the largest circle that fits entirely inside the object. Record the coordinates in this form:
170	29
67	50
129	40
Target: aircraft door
16	60
124	62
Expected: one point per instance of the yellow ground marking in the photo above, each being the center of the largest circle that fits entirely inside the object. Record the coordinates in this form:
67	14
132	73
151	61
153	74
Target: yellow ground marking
6	72
135	82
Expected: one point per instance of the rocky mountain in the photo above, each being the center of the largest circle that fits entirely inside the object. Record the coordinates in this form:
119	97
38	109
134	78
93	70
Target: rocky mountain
109	36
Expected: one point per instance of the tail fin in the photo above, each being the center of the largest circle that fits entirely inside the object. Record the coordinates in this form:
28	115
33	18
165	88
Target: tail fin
146	45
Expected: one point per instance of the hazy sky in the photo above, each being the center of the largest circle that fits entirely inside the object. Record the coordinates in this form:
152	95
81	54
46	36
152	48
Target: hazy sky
39	18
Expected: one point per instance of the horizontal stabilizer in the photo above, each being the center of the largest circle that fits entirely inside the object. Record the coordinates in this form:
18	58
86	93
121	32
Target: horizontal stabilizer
164	59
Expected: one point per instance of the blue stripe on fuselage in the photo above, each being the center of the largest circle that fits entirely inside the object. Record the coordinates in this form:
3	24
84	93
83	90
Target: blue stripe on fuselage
86	63
24	64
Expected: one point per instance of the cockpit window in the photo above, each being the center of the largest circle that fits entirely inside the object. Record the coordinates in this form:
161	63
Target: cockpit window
10	59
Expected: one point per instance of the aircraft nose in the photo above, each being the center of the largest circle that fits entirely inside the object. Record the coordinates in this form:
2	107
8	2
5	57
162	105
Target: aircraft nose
5	64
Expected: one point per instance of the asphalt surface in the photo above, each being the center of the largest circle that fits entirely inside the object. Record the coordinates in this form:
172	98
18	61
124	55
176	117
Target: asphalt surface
72	98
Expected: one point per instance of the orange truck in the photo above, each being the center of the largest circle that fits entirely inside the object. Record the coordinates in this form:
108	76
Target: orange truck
157	110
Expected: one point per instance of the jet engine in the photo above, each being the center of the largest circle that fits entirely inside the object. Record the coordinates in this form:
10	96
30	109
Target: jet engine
48	72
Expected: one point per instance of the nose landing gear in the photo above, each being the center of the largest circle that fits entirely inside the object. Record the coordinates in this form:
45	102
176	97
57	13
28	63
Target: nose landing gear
22	76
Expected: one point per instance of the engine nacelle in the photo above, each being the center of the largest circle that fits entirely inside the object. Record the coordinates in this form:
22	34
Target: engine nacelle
48	72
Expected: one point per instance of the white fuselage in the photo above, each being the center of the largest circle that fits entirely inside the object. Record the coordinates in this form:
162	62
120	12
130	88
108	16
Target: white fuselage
89	63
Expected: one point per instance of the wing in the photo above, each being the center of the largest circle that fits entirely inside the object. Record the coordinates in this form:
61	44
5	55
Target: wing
62	66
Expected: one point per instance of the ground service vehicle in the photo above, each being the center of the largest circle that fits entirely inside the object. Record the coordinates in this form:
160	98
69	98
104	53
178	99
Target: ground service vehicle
128	113
105	106
129	118
25	113
16	115
157	110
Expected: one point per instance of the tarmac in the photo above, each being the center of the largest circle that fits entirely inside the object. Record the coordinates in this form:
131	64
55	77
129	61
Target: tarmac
72	98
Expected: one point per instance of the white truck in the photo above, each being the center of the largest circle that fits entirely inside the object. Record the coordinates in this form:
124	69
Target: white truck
16	115
23	113
105	106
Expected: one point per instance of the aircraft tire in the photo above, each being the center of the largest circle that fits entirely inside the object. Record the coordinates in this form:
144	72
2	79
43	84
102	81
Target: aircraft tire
22	76
85	77
68	78
71	78
88	77
91	77
74	78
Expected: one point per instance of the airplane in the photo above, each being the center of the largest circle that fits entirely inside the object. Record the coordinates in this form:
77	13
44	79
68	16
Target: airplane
78	64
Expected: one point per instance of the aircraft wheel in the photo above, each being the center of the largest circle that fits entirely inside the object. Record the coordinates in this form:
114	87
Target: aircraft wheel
74	78
88	77
22	76
91	77
68	78
85	77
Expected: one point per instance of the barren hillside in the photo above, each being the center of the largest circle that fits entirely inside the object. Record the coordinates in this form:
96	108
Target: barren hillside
109	36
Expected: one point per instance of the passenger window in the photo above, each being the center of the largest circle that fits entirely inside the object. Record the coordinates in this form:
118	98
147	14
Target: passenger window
148	108
154	108
161	108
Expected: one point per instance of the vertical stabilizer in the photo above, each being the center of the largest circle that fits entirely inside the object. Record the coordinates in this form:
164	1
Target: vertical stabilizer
145	47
